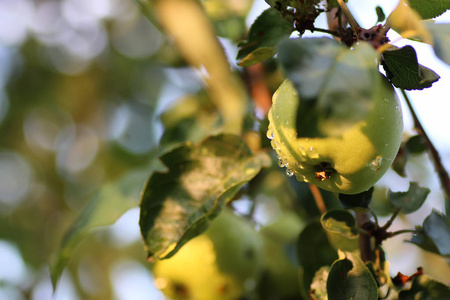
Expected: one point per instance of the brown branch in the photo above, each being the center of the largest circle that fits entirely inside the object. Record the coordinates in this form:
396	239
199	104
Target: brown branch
440	169
318	198
365	245
257	85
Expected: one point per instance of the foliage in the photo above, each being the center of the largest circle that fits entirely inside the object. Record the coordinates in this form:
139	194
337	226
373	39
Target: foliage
152	117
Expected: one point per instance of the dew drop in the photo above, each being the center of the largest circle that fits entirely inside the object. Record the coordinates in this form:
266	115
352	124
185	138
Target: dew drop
302	151
313	153
289	172
376	163
386	100
281	162
270	135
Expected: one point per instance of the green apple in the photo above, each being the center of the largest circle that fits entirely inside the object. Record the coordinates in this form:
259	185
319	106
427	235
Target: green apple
348	163
223	263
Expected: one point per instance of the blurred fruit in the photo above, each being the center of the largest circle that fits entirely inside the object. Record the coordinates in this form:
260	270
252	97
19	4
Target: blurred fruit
221	264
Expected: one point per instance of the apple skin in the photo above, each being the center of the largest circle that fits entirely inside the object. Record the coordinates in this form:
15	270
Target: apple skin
348	163
223	263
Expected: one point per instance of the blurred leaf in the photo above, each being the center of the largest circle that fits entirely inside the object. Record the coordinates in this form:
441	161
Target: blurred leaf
314	251
228	17
349	278
416	145
403	70
429	9
407	22
361	200
193	118
304	13
179	204
434	235
328	76
264	35
380	14
341	229
113	200
441	40
424	287
411	200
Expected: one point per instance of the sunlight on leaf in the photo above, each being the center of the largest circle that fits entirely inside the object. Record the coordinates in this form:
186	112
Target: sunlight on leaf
407	22
180	204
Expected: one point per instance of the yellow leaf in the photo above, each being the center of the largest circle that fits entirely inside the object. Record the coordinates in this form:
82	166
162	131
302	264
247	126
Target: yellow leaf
408	23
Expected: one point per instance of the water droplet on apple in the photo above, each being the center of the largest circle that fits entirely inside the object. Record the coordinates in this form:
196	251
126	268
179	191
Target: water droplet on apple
376	163
302	150
282	162
299	166
270	135
289	172
313	153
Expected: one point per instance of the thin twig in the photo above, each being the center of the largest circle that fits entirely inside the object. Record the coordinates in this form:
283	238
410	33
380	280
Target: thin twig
332	32
365	245
318	198
402	232
440	169
391	220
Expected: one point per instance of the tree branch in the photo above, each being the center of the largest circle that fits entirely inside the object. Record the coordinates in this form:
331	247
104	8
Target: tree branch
440	169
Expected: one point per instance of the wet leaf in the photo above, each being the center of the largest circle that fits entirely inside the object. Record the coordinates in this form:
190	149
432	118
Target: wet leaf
264	35
403	70
411	200
180	204
349	278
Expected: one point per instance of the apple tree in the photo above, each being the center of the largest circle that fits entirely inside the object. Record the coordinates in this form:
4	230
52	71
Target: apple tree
268	183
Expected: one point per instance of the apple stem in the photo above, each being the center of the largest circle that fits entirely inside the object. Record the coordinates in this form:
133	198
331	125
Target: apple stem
440	169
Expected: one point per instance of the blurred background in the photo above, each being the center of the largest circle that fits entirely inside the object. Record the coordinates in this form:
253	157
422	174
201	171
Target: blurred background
85	91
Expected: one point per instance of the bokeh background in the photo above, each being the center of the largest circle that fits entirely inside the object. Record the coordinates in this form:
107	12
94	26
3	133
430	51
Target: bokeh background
83	89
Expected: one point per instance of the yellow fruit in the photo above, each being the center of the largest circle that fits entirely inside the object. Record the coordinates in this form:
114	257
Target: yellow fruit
221	264
348	163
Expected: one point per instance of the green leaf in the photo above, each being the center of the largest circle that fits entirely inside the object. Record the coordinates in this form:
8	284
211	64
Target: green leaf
341	229
411	200
403	70
437	227
416	145
264	35
180	204
314	251
441	40
329	77
424	287
105	208
361	200
429	9
349	278
434	235
380	14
